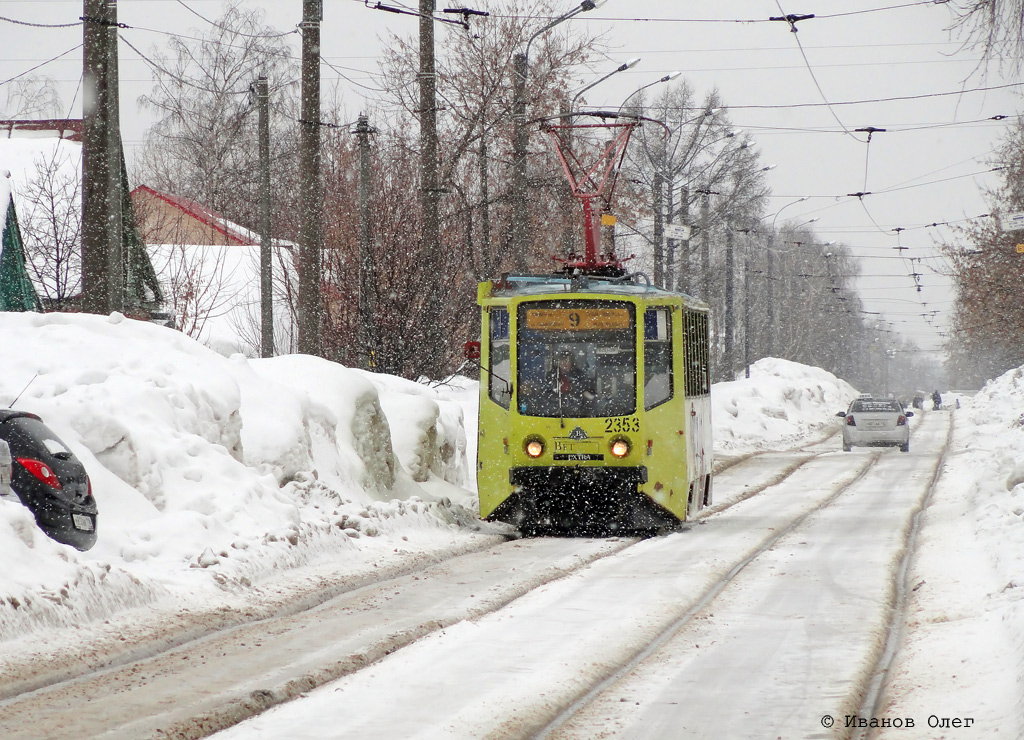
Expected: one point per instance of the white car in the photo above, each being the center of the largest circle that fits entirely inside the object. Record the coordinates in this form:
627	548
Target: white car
876	422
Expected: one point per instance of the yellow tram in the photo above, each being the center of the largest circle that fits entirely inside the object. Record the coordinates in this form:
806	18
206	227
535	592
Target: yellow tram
626	446
595	407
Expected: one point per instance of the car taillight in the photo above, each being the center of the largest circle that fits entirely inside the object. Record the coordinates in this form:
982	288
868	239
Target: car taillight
850	422
901	420
41	471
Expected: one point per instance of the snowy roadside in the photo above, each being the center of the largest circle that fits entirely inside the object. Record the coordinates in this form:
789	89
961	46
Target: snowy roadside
219	479
963	652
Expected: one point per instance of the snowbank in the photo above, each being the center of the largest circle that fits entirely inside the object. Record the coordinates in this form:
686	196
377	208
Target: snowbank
213	473
779	405
989	438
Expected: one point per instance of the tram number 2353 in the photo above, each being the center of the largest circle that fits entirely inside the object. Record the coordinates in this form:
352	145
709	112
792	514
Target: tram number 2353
622	424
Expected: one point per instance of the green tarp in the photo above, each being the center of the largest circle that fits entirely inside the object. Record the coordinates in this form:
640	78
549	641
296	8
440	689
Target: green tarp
16	291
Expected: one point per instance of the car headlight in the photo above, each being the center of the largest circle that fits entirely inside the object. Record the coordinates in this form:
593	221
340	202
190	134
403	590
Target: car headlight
534	447
620	447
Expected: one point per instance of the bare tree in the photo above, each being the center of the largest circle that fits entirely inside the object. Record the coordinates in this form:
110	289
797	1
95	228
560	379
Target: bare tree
32	96
202	147
987	329
52	226
196	280
994	26
474	89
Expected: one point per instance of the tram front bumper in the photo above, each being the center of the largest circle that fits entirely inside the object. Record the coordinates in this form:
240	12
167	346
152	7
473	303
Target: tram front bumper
578	478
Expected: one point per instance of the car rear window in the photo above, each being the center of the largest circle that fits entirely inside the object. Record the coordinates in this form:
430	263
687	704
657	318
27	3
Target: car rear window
25	433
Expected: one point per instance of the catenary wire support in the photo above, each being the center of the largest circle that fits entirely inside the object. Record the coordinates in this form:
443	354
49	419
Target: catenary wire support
792	19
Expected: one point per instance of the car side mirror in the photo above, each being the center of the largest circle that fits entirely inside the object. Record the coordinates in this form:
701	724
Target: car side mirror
841	413
908	414
471	350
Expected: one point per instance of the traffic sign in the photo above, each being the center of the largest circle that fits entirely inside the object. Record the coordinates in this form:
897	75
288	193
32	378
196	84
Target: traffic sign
680	231
1012	222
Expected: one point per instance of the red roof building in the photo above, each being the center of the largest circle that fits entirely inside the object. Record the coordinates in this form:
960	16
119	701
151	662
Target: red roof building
169	219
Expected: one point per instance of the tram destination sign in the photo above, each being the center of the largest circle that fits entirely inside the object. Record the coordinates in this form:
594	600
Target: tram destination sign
577	319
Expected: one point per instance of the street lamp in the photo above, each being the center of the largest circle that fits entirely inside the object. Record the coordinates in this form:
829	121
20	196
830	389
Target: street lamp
771	287
520	227
629	64
666	78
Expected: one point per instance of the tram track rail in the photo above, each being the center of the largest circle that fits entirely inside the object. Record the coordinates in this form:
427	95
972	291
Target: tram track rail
706	598
239	704
868	694
131	660
875	690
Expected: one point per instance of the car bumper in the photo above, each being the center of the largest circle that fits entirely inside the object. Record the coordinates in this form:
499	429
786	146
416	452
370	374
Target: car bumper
876	438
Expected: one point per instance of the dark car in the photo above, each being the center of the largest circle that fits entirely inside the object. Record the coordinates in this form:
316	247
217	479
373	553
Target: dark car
49	480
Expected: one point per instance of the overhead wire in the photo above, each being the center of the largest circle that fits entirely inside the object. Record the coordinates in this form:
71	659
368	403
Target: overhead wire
41	64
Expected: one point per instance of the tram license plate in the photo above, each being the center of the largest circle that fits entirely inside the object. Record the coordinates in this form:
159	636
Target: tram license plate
82	522
576	450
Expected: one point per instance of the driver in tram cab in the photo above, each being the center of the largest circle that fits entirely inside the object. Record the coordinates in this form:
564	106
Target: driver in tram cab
571	384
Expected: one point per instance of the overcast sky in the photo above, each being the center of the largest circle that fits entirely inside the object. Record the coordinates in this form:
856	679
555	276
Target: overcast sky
928	167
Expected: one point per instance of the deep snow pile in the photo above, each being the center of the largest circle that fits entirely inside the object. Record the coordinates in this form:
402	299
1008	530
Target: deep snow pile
989	440
212	473
779	405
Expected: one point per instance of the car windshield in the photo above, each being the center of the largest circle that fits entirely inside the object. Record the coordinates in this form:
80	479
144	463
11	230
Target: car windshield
576	358
872	405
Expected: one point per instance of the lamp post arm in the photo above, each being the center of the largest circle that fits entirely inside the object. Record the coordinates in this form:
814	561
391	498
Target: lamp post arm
621	68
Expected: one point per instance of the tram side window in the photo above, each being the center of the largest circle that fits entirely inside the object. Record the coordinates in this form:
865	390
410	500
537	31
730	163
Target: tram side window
698	367
658	379
500	364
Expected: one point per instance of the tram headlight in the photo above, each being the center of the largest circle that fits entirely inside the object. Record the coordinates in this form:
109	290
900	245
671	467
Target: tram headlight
620	447
534	447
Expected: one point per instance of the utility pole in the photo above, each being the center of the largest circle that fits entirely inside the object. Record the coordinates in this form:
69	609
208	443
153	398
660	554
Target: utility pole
730	313
770	334
670	243
520	217
659	226
96	174
367	335
430	240
115	242
569	241
746	308
705	258
266	265
746	304
310	307
485	205
685	263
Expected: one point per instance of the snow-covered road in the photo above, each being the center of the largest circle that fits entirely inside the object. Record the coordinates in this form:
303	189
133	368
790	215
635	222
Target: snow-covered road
770	615
769	612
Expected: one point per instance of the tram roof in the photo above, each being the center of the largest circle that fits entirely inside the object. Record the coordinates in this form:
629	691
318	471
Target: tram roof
528	285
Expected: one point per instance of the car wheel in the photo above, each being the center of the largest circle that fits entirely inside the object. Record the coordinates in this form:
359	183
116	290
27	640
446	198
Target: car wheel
905	448
846	448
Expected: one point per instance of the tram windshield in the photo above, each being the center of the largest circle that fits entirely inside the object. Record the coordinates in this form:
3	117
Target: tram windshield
576	358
